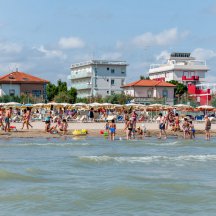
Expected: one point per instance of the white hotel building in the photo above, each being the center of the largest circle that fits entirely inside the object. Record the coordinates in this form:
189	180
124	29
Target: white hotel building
180	67
98	77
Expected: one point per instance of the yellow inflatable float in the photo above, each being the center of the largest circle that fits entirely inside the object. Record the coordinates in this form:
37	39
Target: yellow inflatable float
80	132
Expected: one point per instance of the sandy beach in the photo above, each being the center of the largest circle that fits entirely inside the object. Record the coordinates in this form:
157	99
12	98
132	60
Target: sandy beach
93	130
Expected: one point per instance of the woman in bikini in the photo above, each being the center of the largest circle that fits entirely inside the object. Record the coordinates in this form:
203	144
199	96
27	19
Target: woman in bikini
129	128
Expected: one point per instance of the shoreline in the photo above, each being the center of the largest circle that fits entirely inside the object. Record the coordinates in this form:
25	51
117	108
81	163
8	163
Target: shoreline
38	133
94	130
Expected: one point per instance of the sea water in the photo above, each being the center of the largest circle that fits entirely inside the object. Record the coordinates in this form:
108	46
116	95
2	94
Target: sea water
94	176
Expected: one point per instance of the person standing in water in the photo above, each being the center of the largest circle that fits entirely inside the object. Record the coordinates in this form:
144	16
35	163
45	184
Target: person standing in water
129	128
112	128
162	124
207	127
7	119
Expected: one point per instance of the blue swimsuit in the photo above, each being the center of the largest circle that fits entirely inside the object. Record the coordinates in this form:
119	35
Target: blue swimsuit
112	130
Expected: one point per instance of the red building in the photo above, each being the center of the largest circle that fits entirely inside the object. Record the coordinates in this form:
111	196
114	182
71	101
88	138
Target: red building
202	96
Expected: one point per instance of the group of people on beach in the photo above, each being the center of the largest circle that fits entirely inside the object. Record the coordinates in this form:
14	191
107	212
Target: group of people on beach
6	115
58	123
172	120
61	125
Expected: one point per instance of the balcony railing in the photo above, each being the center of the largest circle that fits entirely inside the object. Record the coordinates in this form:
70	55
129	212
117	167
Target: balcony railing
192	78
82	86
80	75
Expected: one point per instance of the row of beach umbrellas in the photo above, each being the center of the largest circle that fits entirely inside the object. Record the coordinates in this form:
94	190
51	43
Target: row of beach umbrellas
151	107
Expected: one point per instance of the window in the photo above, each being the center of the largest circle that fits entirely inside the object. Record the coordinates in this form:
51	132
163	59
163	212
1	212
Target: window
107	92
122	71
165	93
112	82
107	80
149	93
112	70
11	92
36	93
107	68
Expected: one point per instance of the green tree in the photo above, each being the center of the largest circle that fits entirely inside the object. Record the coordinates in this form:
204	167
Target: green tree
213	101
62	97
52	91
72	92
55	91
8	98
144	78
61	86
82	100
180	89
117	99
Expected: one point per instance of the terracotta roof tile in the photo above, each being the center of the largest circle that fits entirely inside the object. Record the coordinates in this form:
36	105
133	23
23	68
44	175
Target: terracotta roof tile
20	77
149	83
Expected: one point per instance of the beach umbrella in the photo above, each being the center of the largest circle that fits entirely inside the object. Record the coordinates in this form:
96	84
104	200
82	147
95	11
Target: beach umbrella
38	105
95	104
205	107
117	106
182	106
155	105
65	104
54	104
130	104
29	105
107	104
79	104
12	104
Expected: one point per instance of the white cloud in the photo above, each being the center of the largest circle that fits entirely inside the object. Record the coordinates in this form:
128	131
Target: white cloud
71	43
51	53
111	56
203	54
164	55
9	47
210	79
119	45
12	66
163	38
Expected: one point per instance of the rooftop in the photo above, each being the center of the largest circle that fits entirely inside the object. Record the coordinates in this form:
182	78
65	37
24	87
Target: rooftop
149	83
99	62
21	77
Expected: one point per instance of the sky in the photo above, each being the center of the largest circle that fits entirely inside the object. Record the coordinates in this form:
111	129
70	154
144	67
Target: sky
45	37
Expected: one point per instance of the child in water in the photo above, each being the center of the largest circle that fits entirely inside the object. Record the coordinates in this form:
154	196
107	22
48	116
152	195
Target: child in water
192	130
112	128
107	126
64	126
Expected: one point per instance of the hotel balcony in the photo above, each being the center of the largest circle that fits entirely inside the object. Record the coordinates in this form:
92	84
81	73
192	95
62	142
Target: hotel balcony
79	75
81	86
192	78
